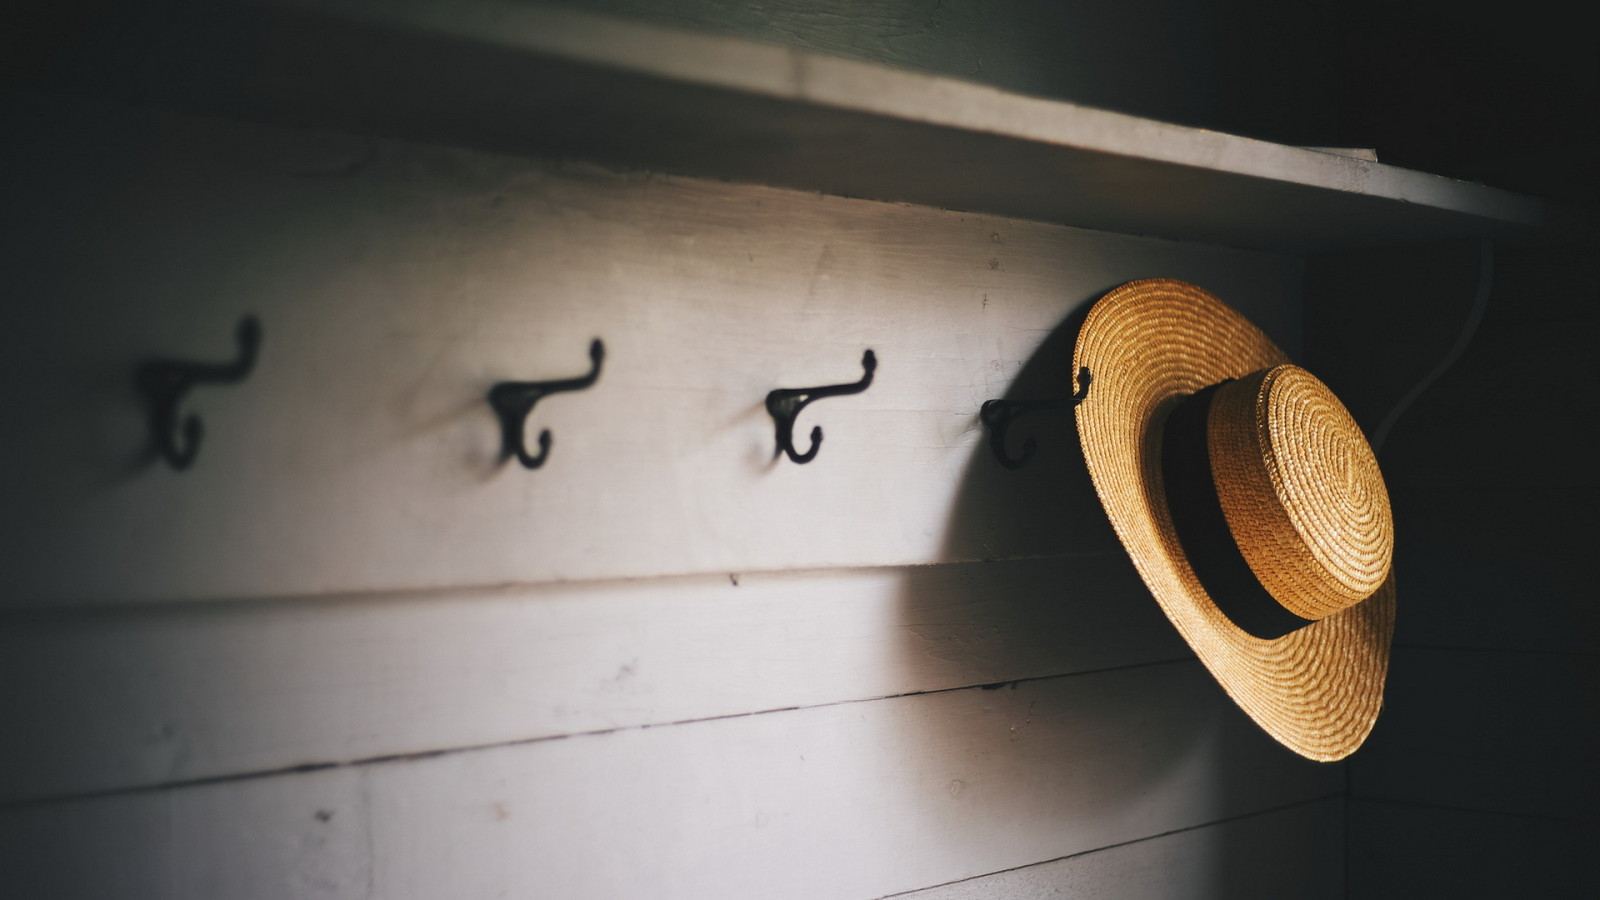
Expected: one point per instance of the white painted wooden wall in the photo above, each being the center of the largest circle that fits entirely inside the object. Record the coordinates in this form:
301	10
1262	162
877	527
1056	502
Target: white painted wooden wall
351	655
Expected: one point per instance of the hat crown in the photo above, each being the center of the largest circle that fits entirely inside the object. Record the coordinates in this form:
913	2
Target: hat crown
1301	491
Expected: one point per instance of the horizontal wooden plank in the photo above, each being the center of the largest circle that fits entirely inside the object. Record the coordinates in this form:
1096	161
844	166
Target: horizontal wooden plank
121	699
1296	852
1400	851
1497	731
302	836
1494	489
1380	321
396	283
1517	437
543	79
846	800
1468	550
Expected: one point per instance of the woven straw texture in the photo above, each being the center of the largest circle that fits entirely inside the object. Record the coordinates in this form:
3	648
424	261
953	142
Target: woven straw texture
1148	345
1301	491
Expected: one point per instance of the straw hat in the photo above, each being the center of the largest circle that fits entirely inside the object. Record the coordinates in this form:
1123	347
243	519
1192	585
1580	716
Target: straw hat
1251	505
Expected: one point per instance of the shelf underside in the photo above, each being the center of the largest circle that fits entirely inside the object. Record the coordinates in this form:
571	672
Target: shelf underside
528	80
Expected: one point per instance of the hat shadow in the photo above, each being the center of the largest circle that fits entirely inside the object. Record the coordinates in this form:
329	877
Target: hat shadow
1075	724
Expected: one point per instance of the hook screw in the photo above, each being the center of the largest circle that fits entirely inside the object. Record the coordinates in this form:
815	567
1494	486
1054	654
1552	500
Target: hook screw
163	382
999	414
514	400
784	404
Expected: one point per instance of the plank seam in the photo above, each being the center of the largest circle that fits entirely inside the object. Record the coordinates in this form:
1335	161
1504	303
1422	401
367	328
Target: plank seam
302	768
1519	651
26	614
1044	862
1415	804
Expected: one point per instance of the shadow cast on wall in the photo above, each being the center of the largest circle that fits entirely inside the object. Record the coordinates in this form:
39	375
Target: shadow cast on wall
1073	728
1093	723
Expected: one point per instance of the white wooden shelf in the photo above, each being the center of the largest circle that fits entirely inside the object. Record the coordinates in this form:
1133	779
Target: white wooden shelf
521	78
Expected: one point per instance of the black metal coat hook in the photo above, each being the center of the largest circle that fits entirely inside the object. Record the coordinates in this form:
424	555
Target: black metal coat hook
785	404
164	382
998	415
514	400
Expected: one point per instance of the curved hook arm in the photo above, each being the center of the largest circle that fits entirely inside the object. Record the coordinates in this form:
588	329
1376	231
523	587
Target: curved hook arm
164	382
999	414
513	401
784	404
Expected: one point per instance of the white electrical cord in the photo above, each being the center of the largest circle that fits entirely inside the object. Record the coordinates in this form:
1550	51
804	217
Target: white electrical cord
1470	327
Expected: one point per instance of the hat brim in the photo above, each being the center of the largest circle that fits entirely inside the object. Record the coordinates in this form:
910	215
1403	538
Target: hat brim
1149	344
